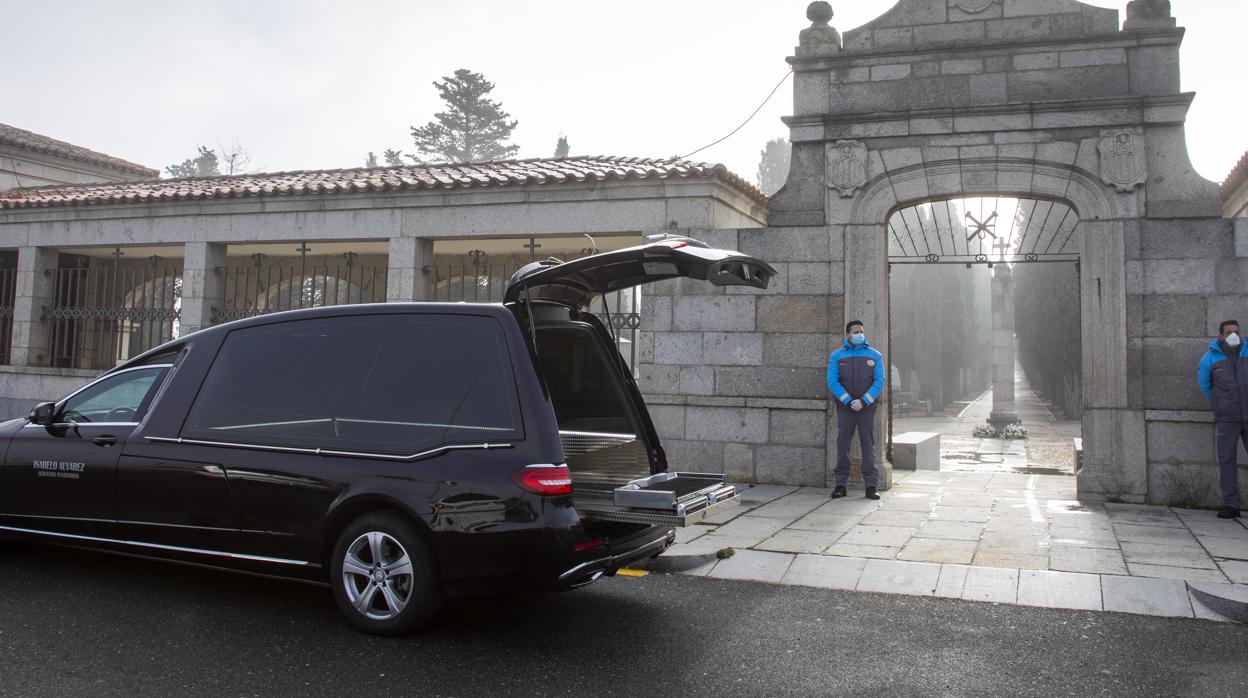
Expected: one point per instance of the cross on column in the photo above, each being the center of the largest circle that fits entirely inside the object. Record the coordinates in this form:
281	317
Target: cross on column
1001	245
532	248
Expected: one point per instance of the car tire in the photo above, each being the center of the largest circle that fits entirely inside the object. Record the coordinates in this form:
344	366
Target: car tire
383	575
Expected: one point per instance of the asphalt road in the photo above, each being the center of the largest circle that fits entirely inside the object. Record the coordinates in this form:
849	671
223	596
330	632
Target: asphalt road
79	623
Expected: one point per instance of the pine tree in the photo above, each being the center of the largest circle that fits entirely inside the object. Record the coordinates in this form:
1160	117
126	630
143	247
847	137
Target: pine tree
472	127
561	147
773	166
394	158
372	160
205	164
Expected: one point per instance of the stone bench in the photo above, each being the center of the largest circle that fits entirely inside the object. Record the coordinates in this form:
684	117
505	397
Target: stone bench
916	450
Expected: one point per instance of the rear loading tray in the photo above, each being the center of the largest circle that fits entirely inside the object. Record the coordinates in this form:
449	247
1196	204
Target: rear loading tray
665	499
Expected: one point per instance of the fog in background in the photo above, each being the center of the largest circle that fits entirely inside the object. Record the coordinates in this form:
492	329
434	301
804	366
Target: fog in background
318	84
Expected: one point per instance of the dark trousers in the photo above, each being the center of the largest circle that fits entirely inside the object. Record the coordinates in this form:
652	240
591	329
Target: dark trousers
1230	434
848	421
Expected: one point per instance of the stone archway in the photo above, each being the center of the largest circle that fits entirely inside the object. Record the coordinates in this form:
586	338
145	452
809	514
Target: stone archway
1116	433
1039	98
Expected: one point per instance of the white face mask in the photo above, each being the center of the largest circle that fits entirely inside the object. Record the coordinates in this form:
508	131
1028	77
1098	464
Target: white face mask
1232	340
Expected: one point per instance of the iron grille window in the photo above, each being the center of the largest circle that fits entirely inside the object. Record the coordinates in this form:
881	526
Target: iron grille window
101	317
260	288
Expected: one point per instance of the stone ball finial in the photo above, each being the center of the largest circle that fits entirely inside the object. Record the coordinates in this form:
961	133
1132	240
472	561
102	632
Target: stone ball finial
819	12
1148	9
1148	14
819	39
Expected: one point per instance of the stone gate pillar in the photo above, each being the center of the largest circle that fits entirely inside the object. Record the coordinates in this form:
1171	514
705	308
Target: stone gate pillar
407	279
34	293
203	286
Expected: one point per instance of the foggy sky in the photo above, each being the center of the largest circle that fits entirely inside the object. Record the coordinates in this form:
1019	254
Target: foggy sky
317	84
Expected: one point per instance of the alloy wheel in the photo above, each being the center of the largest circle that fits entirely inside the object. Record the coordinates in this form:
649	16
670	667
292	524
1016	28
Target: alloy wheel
377	575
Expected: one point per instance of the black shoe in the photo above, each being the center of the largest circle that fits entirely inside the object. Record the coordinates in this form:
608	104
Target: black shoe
871	493
838	492
1223	513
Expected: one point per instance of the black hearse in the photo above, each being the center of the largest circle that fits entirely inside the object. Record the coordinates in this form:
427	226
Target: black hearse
397	452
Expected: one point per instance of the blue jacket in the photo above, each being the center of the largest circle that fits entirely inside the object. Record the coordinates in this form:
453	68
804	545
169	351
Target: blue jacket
856	373
1223	378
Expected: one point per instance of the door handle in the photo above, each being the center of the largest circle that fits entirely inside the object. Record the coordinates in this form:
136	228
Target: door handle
104	440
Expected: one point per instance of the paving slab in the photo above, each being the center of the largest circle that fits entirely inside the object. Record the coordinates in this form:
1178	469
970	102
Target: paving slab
1235	570
1016	560
967	499
790	507
892	536
938	550
1230	548
909	501
1187	574
752	528
995	584
971	514
950	530
1150	597
899	577
754	565
1073	538
1142	514
1206	523
878	552
791	541
1137	533
832	523
1068	558
825	572
892	517
952	580
1170	555
754	495
1059	590
691	533
848	506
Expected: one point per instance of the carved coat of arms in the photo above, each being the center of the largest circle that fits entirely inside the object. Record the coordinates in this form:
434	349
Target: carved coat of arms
1122	159
973	6
847	167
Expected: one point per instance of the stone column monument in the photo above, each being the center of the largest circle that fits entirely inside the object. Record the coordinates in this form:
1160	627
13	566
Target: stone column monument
1003	411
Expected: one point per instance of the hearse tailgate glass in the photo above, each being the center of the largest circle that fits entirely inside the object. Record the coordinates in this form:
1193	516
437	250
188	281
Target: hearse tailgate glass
576	283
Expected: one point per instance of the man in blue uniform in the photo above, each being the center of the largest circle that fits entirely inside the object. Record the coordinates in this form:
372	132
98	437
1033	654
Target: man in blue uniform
856	379
1223	378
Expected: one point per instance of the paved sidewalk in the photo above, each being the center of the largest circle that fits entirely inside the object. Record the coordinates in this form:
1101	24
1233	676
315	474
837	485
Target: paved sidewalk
1002	537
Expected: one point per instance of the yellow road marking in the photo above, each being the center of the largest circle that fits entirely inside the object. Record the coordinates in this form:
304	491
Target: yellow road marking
631	572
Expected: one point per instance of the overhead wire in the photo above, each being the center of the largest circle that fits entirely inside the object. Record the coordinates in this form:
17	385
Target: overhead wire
748	119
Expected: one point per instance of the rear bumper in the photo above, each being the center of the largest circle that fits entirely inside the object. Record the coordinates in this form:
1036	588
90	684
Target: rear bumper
621	555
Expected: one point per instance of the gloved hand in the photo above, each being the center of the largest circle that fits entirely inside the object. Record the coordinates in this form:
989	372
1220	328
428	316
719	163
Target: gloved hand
856	405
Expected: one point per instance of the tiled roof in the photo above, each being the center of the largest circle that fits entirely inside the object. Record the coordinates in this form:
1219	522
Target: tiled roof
11	135
502	173
1236	179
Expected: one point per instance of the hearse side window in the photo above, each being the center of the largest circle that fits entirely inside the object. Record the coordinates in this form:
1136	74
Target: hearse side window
385	383
116	398
584	386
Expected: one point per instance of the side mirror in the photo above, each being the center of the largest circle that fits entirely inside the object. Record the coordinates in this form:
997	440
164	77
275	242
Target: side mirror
43	413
